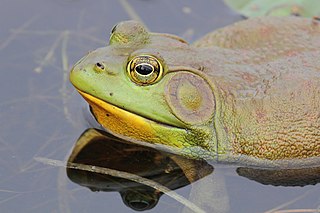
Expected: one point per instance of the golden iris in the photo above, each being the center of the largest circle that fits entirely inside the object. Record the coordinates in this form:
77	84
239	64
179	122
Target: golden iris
144	69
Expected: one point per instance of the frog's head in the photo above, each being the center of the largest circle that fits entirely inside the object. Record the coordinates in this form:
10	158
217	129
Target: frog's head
148	87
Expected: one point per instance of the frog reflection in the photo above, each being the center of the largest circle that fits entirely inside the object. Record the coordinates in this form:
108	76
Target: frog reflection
100	149
282	177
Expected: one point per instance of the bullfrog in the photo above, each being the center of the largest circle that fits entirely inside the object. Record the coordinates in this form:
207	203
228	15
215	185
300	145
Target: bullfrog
246	93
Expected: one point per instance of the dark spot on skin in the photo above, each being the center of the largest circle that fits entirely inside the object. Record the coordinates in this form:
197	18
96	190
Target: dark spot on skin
295	14
201	68
111	93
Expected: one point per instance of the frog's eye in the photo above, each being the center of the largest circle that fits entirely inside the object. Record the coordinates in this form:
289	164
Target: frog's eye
144	69
99	67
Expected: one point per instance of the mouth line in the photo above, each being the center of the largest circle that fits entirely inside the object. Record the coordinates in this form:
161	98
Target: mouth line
84	94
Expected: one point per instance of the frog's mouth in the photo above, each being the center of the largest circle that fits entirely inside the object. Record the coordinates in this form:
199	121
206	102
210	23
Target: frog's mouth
132	126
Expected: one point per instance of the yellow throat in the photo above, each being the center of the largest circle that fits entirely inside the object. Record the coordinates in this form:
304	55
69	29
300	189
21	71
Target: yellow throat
121	122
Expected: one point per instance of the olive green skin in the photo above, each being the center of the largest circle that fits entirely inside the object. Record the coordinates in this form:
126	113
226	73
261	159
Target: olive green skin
247	93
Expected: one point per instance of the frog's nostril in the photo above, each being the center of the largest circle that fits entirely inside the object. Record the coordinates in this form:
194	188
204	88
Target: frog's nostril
100	65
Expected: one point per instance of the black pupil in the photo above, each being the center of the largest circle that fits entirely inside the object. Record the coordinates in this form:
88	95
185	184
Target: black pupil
144	69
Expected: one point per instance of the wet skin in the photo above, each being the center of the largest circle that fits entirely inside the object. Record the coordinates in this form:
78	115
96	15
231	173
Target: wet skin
246	92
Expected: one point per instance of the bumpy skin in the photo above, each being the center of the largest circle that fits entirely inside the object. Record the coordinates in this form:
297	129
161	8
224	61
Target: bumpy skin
247	91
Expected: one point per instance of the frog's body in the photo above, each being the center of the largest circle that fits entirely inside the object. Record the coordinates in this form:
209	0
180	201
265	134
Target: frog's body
251	89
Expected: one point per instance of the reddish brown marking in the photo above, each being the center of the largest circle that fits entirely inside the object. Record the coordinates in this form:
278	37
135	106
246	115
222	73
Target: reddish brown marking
266	31
261	115
248	77
291	53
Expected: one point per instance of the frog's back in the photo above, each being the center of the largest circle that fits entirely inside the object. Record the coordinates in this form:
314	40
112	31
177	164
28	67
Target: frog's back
266	34
270	86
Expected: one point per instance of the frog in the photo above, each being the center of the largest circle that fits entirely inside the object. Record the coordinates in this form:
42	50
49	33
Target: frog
246	93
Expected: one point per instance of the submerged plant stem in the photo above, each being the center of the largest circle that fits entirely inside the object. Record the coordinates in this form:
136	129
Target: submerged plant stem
125	175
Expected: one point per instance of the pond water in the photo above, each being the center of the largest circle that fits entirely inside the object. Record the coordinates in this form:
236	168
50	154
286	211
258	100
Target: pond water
42	115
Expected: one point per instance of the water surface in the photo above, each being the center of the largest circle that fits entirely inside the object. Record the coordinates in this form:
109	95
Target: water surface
41	114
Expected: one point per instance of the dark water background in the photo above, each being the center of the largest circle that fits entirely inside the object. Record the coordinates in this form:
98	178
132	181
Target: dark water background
41	114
